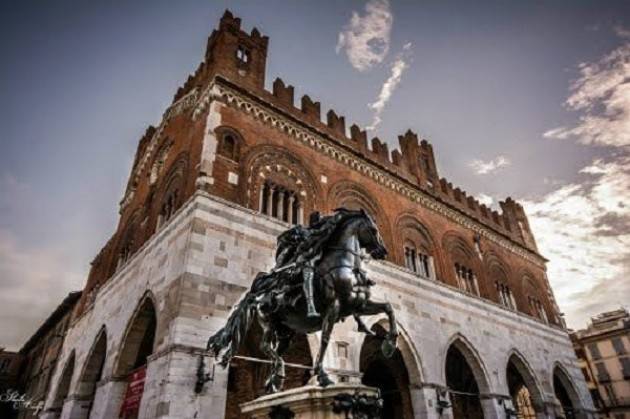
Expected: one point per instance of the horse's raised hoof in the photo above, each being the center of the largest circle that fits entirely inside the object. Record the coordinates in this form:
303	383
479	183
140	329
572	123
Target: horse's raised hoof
324	380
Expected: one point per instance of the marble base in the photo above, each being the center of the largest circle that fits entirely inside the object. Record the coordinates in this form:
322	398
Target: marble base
308	402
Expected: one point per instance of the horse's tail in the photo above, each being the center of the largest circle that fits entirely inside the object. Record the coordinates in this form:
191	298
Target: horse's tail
232	333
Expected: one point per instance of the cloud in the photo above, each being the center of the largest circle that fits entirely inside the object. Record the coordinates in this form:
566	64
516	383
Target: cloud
34	281
584	228
584	231
481	167
602	95
366	38
484	199
398	67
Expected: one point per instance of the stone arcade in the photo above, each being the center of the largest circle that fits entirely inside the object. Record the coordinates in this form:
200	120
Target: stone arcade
232	165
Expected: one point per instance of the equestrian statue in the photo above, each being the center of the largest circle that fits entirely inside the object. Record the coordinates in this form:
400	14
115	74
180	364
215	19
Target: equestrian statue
318	280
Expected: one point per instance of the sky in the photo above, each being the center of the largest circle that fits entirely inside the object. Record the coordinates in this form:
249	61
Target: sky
523	99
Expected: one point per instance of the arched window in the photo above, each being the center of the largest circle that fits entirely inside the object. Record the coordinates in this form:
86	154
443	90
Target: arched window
506	298
229	144
168	208
463	262
466	278
278	184
534	302
127	246
417	246
498	276
172	191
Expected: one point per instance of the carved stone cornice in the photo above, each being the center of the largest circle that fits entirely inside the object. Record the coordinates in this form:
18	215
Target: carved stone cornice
265	113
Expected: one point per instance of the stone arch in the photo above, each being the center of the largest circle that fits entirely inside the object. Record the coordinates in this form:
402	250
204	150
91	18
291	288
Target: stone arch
265	165
473	358
412	232
465	377
565	392
354	196
139	338
462	268
408	350
92	372
393	376
63	385
516	363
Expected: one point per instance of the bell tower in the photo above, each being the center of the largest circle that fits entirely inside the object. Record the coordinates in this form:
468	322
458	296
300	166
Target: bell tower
237	55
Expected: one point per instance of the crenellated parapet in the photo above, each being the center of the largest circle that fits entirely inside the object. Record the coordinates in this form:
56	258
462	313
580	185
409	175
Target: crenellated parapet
240	58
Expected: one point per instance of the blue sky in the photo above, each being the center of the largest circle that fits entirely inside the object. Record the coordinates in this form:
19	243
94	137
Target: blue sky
526	99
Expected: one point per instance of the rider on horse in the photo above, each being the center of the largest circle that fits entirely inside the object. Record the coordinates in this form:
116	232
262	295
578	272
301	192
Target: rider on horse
300	248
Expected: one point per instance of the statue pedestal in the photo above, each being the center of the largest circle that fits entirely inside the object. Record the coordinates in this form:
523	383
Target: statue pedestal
314	402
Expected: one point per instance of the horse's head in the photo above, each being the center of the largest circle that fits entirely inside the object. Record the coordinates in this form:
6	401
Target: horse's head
369	237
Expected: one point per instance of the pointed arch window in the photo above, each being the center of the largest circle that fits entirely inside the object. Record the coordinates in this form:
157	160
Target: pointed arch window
169	206
506	298
537	309
466	279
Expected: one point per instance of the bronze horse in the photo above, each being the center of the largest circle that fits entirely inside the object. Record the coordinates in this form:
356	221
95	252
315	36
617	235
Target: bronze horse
342	289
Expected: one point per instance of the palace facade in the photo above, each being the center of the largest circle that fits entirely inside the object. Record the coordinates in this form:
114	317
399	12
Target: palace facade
230	166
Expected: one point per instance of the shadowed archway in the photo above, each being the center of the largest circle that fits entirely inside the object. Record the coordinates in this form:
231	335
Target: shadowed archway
525	394
137	346
247	375
63	386
466	380
389	375
565	394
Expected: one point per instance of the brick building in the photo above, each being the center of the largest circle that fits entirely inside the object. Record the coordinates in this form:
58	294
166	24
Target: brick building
603	351
228	168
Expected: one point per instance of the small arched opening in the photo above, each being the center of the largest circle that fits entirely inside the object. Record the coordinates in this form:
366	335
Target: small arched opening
389	375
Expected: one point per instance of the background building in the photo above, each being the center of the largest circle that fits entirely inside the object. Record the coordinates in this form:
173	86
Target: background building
230	166
40	354
603	349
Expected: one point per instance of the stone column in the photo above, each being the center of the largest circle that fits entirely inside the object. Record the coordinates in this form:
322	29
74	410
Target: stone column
300	213
290	209
491	407
261	197
108	398
270	200
424	403
280	204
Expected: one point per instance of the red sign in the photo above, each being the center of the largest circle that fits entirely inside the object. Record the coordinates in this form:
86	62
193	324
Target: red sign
133	395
